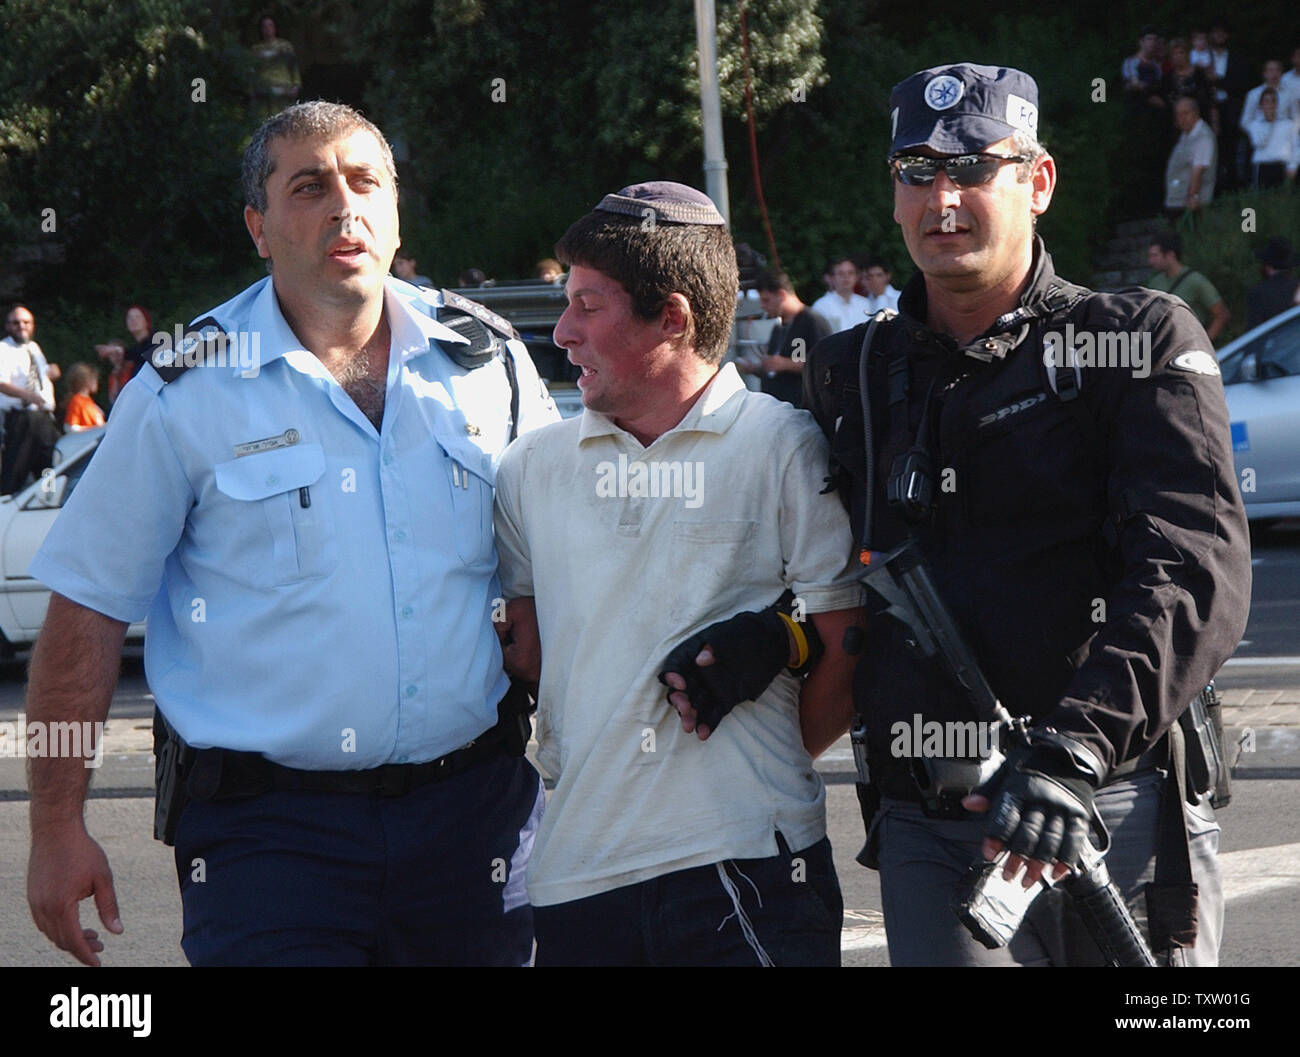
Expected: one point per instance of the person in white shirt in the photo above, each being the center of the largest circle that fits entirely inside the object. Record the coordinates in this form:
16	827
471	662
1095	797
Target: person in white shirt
880	291
1291	79
26	401
1190	171
680	505
840	306
1288	107
1200	55
1276	144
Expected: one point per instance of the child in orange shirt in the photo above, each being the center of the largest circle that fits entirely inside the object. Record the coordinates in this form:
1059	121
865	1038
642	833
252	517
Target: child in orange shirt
82	412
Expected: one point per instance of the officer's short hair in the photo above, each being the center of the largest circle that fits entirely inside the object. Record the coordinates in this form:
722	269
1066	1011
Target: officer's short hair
1024	143
303	121
651	262
773	281
1169	242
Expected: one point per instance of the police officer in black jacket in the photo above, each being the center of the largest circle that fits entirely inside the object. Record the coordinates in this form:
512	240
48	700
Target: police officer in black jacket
1062	459
1081	518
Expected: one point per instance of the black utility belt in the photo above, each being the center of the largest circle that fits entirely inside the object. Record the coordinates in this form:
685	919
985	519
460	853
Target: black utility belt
222	774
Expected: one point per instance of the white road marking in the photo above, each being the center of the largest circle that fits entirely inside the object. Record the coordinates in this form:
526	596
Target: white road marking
863	939
1261	662
1253	871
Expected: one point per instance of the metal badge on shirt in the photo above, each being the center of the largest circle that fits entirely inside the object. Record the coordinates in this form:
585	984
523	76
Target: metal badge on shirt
284	440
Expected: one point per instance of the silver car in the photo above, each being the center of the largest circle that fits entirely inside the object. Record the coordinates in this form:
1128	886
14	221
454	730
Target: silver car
1261	378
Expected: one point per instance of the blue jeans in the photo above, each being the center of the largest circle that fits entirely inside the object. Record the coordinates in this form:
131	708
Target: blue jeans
433	877
785	910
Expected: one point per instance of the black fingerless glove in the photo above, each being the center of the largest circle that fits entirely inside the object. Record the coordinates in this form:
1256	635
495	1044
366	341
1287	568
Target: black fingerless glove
749	650
1042	798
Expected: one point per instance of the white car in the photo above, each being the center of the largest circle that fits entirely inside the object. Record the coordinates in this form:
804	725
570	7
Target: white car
25	518
1261	379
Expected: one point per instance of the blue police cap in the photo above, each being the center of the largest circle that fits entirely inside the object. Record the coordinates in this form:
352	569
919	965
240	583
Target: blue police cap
672	203
962	108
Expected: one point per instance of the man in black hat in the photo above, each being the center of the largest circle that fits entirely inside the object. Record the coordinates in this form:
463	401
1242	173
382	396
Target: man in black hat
1278	291
649	518
1061	460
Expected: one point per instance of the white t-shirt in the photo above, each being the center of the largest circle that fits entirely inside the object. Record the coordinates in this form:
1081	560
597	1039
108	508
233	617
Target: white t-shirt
1274	141
841	314
889	299
1286	104
619	579
16	363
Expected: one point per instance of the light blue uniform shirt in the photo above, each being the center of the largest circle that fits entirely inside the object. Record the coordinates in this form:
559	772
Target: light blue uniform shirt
325	597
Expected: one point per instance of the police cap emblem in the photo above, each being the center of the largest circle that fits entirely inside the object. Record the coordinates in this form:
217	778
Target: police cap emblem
944	92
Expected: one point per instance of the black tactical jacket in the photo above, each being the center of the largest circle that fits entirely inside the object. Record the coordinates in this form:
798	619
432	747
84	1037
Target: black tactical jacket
1093	550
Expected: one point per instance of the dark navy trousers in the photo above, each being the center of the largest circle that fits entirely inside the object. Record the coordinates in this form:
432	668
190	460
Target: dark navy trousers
784	910
433	877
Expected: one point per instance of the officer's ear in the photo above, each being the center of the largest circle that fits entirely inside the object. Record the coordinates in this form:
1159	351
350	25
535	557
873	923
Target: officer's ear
676	319
1043	180
255	223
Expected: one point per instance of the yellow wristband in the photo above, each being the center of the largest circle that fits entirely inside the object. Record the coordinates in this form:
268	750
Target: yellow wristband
800	640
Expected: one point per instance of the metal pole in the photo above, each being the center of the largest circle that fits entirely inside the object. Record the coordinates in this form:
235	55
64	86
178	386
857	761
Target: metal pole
715	158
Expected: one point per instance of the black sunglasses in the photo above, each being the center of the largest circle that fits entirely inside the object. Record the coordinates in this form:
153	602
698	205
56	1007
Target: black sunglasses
965	170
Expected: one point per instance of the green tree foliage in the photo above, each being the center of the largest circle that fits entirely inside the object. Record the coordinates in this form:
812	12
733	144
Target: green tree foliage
519	114
126	120
515	116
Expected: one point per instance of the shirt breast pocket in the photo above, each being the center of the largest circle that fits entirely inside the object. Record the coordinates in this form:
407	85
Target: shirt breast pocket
471	506
282	512
710	560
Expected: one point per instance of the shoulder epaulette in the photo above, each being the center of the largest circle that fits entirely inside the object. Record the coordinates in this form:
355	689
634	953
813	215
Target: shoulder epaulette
196	348
482	313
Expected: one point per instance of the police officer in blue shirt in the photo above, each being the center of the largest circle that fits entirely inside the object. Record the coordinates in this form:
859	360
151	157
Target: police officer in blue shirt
306	486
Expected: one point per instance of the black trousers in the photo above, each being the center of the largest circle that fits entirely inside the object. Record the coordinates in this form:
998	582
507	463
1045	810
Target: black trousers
29	439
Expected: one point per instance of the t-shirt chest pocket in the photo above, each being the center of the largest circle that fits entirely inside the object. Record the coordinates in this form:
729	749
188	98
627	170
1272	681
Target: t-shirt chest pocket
282	512
710	560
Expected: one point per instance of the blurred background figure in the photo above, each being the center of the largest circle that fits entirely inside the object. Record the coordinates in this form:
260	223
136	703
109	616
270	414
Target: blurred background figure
549	270
1278	291
404	268
276	82
126	357
840	306
473	278
1192	168
878	290
82	412
799	329
1275	144
27	399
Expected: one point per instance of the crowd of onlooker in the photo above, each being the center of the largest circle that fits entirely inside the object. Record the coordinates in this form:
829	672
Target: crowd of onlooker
1193	102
